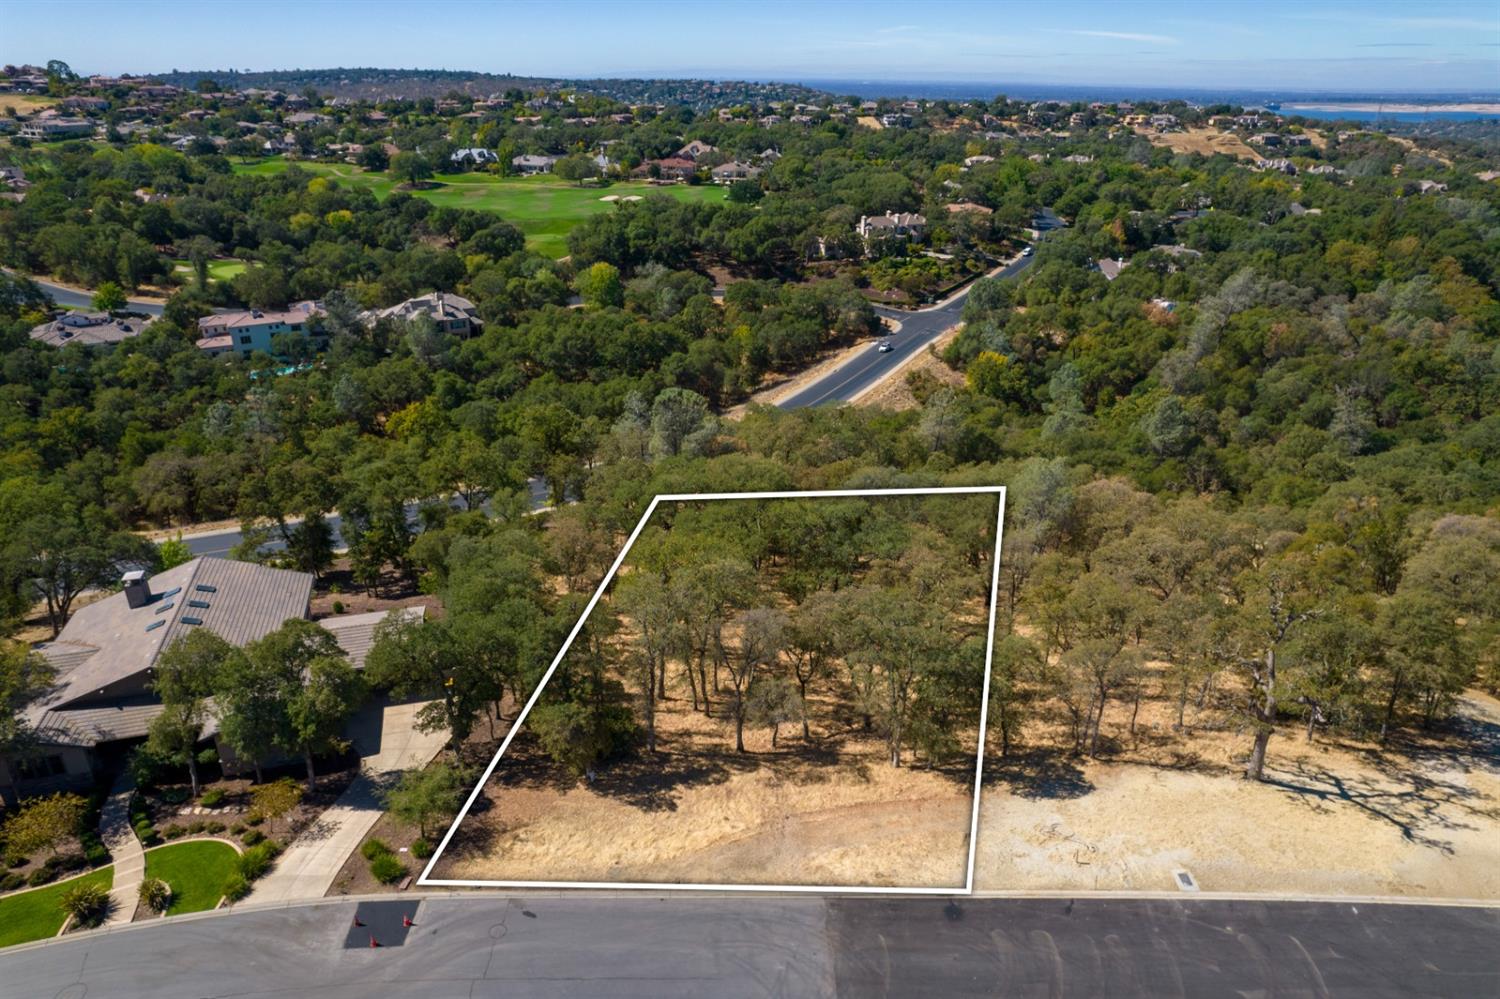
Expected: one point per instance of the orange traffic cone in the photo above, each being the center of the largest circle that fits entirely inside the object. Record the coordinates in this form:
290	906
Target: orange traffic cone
406	921
358	921
373	941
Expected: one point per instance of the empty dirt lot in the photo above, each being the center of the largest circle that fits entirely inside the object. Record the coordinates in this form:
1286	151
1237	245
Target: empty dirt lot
1207	141
1421	820
829	812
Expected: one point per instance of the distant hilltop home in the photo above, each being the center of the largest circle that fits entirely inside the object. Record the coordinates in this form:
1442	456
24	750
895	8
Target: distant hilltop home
101	703
728	173
451	313
92	329
695	149
474	156
532	164
891	224
1280	165
252	329
50	129
977	160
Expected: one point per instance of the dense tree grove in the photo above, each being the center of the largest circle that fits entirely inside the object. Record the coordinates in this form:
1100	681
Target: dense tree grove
1267	453
746	607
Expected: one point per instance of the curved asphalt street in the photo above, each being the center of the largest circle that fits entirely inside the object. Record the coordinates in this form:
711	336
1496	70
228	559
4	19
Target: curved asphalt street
73	299
636	945
918	329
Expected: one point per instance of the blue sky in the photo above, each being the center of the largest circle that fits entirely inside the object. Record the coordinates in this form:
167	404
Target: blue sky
1314	44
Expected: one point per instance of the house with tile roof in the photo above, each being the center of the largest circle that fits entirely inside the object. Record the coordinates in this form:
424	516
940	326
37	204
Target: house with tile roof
101	703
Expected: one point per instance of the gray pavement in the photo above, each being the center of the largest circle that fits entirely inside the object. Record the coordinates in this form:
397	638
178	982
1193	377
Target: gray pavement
918	329
69	298
221	543
486	945
387	739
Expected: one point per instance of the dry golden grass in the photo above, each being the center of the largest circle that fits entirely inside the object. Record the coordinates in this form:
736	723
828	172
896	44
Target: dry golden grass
894	392
24	103
831	811
1331	818
1207	141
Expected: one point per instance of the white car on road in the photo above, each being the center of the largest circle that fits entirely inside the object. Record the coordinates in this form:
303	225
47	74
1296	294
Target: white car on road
885	347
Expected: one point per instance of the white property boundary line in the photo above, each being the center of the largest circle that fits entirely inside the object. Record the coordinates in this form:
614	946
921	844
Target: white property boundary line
984	708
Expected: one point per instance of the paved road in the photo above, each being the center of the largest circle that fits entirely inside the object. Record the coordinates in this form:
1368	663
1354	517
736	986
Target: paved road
621	946
220	543
918	329
68	298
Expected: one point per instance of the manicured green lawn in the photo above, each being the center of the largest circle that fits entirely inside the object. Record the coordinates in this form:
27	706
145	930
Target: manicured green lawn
543	207
196	870
38	915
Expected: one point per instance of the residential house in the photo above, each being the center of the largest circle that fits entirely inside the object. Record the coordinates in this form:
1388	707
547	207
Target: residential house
695	150
101	702
728	173
51	129
473	156
875	229
1280	165
451	313
532	164
1111	268
971	161
253	330
675	168
1266	139
85	105
92	329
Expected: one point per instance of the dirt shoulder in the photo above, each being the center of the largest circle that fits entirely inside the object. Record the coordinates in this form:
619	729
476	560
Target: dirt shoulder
829	364
894	390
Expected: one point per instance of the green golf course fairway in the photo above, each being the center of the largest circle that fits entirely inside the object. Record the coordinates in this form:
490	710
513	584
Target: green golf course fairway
544	208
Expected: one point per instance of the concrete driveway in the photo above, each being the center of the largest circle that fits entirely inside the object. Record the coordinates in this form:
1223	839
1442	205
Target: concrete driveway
387	740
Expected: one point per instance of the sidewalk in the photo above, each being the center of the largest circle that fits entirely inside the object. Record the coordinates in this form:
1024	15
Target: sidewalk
388	744
129	859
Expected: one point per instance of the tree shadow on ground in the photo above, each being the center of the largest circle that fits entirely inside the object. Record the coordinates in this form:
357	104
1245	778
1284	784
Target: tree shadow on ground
1039	773
1418	804
1465	742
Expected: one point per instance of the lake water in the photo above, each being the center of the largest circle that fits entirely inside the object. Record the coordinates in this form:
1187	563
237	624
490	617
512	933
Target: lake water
1347	114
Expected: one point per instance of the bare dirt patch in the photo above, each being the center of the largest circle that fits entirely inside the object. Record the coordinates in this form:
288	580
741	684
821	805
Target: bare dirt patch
1420	819
1206	141
831	811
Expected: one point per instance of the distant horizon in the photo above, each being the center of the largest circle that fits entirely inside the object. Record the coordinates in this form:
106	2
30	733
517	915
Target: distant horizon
1314	46
840	85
